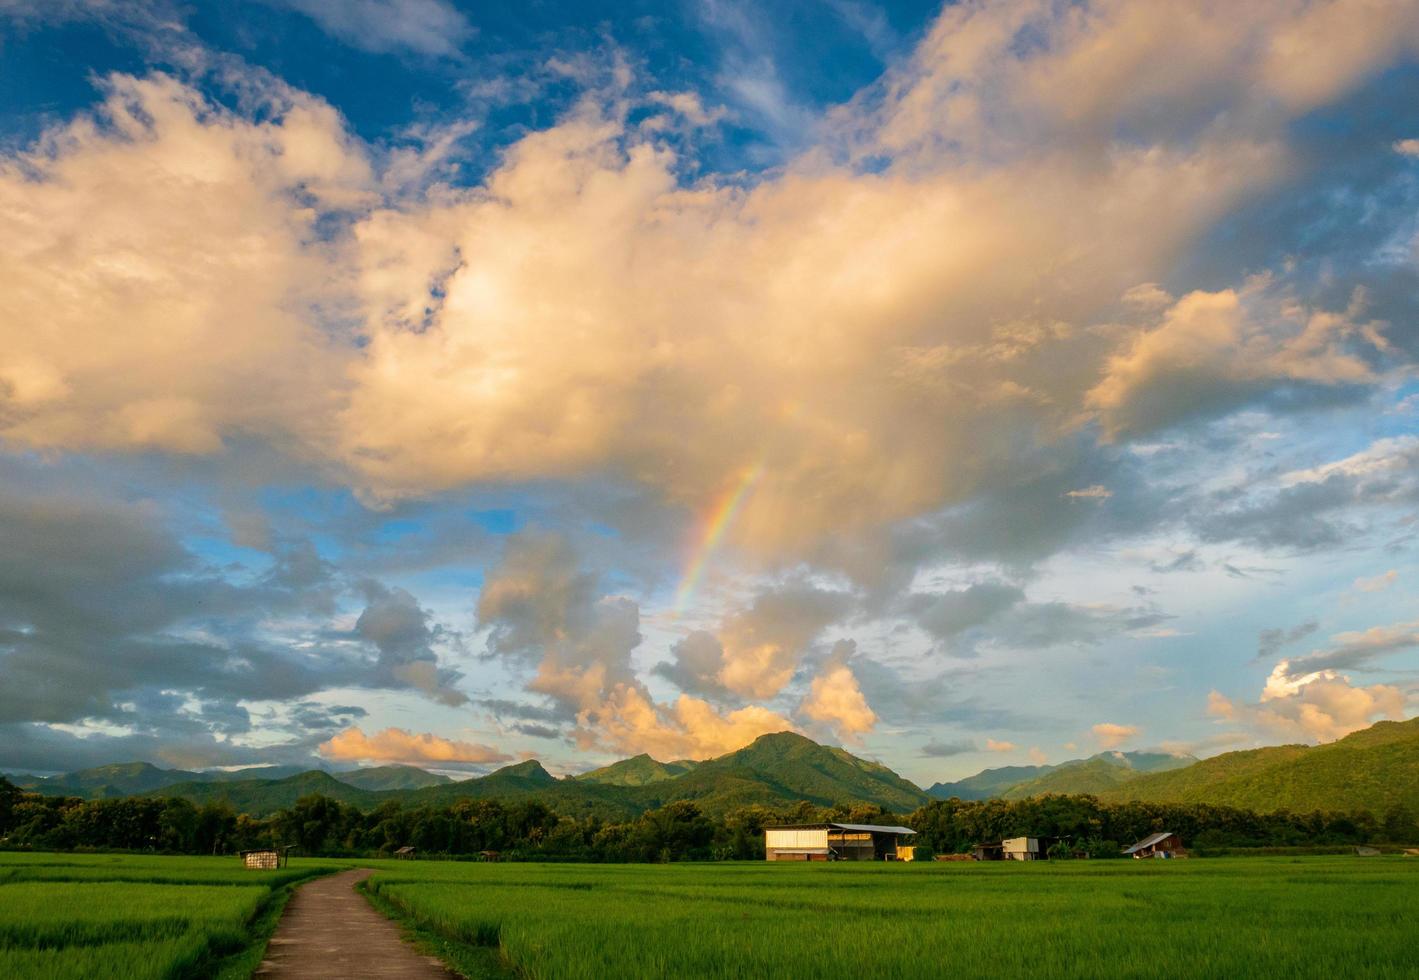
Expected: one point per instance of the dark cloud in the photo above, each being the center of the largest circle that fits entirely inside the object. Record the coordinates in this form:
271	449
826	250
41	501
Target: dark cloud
1270	641
944	750
401	631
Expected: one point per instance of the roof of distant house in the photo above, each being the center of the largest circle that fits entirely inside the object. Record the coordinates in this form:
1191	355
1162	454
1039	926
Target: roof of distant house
866	828
1149	841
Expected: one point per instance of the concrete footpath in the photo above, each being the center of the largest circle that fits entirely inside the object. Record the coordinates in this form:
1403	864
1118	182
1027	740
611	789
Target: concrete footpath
329	930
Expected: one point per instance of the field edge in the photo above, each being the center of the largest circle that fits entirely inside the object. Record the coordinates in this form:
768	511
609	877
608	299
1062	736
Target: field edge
468	961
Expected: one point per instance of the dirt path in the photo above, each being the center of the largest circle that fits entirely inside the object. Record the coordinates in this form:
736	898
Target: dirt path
329	930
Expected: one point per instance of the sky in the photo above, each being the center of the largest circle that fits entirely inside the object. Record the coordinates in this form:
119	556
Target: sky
455	384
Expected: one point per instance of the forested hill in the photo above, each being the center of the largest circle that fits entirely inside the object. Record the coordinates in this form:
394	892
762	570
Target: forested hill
774	770
1376	769
1091	775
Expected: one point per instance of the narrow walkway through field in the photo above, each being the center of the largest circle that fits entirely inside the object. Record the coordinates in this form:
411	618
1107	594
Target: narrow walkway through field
329	930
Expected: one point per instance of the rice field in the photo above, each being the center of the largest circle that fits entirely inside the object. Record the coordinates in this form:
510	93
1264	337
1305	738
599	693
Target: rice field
1301	917
126	916
132	916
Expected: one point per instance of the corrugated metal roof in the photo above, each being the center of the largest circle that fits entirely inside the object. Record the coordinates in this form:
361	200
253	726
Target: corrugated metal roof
873	828
864	827
1149	841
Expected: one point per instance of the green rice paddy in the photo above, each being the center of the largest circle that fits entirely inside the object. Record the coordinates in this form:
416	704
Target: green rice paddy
117	916
134	917
1307	917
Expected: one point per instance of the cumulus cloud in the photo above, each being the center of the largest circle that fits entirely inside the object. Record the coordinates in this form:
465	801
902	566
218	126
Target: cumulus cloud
401	631
1355	649
400	745
992	745
543	609
1112	735
519	329
755	650
1320	706
1214	347
835	699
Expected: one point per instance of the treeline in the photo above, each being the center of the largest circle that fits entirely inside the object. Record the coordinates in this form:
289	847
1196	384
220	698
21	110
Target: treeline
529	830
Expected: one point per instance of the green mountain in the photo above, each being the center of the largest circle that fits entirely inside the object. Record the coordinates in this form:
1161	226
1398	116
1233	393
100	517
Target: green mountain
1092	775
786	768
262	796
120	779
987	783
1097	773
391	777
637	771
1375	769
775	770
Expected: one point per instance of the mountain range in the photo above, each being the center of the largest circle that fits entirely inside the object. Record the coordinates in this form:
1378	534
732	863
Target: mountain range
1375	769
1092	775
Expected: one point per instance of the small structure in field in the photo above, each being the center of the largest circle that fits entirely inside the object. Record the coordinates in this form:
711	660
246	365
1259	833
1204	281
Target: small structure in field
265	858
1012	849
1367	852
405	853
1165	844
838	842
489	856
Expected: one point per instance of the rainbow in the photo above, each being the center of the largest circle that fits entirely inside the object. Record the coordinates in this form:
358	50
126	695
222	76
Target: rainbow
716	523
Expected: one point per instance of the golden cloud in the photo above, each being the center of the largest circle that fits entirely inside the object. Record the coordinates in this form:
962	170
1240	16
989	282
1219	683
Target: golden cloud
400	745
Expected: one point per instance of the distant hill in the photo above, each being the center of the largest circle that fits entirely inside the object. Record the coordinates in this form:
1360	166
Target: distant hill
1097	773
120	779
775	770
262	796
637	771
140	778
1374	769
391	777
1092	775
987	783
786	767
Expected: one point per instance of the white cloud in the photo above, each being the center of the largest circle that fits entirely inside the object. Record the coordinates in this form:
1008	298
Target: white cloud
1377	583
992	745
1111	735
429	27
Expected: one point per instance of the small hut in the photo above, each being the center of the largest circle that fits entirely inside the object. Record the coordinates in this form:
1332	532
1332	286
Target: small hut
489	856
1165	844
405	853
264	858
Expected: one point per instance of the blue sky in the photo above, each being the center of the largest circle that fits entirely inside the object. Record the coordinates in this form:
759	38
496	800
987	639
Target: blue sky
408	381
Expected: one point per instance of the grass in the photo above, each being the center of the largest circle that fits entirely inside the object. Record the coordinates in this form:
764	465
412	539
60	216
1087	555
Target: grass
136	916
128	916
1301	917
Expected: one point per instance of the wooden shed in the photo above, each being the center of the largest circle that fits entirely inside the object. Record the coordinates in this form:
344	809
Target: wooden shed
1164	844
406	852
838	842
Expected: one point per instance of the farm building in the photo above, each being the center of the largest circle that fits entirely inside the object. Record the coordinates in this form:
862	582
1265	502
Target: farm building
1012	849
263	859
1161	845
837	842
405	853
